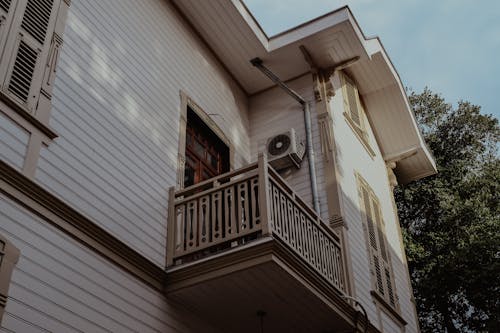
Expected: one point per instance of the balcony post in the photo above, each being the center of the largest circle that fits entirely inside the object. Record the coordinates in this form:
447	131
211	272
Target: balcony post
171	227
264	203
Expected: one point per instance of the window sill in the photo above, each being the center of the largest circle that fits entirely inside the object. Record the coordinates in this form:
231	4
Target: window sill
393	311
360	134
31	122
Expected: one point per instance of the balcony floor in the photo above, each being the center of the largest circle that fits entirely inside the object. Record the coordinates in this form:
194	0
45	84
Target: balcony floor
229	288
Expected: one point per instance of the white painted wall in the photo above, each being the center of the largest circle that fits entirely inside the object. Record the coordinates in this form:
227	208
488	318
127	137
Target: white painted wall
272	112
61	286
116	109
353	157
13	141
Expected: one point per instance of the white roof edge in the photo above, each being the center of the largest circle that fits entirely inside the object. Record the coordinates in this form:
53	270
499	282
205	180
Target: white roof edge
252	22
309	28
374	45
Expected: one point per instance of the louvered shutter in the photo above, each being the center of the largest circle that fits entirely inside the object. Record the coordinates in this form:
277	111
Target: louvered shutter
351	102
375	262
30	38
387	271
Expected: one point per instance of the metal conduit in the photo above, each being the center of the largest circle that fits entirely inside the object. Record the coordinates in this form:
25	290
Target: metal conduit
257	62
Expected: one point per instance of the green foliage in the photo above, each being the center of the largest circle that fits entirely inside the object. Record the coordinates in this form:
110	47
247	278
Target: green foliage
451	220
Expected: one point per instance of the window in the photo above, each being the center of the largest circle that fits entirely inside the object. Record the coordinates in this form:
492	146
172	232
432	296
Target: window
9	255
206	155
380	265
30	40
354	111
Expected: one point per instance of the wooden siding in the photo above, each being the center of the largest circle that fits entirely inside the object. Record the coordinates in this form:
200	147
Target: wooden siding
353	157
58	286
13	142
116	109
273	112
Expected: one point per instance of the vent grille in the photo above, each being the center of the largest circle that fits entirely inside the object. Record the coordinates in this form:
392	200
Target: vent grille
279	145
36	18
5	5
22	73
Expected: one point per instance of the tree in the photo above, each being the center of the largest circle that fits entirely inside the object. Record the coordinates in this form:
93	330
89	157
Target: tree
451	221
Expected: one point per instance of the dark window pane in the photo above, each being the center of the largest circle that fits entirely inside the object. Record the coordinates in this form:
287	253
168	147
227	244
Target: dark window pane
199	149
212	160
188	175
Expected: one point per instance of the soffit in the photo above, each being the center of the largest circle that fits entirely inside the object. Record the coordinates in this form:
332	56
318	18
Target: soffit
235	37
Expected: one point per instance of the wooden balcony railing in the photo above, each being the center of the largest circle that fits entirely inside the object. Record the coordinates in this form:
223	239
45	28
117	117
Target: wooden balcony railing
245	204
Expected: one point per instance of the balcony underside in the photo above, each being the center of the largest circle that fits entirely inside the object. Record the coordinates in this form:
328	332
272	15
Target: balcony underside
228	289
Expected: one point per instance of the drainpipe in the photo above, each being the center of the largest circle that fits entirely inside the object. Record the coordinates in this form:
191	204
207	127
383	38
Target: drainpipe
257	62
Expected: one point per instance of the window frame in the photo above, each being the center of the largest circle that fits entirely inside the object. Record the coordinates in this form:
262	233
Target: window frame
360	130
377	231
188	103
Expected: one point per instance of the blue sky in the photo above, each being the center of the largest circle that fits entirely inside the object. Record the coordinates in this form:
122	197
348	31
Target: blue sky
451	46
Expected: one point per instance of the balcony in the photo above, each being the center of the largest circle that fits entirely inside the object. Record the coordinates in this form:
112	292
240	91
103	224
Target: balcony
244	242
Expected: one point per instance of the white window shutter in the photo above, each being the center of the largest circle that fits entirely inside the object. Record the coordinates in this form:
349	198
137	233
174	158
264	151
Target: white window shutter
29	40
7	9
375	261
351	101
387	274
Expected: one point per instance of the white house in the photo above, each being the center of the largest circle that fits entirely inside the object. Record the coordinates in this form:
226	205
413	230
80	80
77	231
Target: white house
167	167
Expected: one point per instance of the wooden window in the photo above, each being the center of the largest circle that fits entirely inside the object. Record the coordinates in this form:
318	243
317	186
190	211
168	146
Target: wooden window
206	155
9	255
381	269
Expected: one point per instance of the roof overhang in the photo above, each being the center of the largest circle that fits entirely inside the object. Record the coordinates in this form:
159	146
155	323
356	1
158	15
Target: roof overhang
230	31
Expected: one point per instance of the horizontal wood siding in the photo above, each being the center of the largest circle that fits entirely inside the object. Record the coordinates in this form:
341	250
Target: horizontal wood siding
60	286
352	157
13	142
273	112
116	108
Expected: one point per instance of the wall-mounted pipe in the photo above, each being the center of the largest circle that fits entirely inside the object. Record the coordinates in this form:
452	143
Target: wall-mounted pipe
257	62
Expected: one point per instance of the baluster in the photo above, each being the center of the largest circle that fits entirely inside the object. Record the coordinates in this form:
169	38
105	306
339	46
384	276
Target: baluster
230	211
341	282
277	210
303	228
255	220
291	228
180	228
298	231
310	241
242	212
315	246
192	224
272	208
321	259
216	211
331	258
203	220
337	267
284	218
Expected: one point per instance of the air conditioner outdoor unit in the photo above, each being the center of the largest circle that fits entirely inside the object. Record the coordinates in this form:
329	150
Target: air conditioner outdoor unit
284	150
